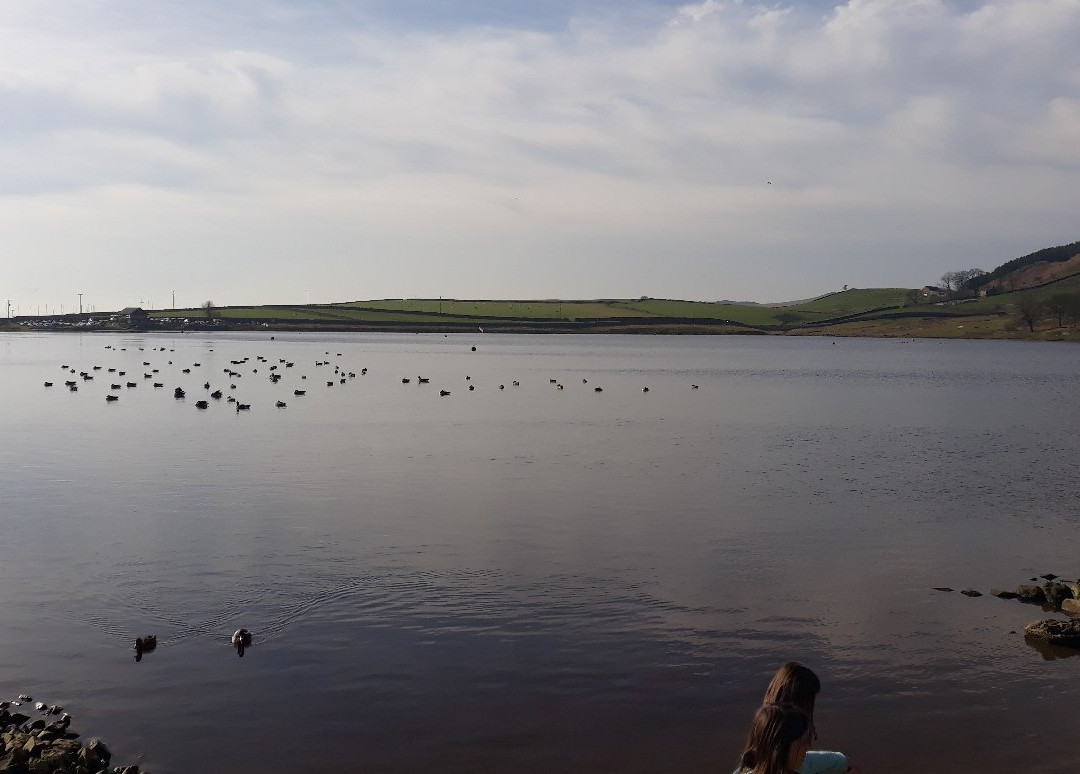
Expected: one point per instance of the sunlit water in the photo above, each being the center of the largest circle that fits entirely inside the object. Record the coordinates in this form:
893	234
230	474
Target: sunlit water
533	579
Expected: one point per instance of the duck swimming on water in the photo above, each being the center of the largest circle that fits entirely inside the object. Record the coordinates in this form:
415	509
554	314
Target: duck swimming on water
240	639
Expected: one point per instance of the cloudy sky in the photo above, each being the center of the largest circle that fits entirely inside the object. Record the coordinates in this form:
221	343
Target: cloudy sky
274	151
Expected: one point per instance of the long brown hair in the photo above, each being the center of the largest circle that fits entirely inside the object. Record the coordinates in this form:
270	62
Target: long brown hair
795	684
775	728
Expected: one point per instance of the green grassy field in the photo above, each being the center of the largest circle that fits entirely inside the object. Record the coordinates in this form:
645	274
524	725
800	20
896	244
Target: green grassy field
865	312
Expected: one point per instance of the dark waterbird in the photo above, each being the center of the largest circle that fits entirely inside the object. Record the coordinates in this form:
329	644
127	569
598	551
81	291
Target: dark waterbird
240	640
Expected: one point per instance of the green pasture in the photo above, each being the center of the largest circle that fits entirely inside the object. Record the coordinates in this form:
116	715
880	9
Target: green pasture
548	310
883	308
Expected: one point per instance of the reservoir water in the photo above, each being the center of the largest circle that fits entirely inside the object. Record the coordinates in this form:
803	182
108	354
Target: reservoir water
536	579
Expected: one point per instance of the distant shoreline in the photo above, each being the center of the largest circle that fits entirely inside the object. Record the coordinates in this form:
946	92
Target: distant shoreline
915	328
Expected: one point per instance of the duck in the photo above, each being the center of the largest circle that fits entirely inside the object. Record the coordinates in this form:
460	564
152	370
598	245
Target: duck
240	639
178	393
280	404
145	643
299	392
111	398
202	404
444	393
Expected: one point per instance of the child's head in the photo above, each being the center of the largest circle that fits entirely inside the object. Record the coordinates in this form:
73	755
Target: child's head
794	684
778	741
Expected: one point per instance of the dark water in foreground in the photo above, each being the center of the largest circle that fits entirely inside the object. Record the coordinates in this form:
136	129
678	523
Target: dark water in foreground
534	579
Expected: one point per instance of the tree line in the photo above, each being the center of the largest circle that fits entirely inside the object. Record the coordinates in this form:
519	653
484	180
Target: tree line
1061	308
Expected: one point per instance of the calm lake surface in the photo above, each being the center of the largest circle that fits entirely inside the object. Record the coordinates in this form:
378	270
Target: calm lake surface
534	579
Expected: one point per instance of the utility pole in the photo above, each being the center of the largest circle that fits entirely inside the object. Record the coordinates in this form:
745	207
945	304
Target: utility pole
173	299
8	307
80	303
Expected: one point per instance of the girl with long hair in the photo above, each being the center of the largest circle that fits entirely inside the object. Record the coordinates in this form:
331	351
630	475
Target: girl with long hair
778	741
798	686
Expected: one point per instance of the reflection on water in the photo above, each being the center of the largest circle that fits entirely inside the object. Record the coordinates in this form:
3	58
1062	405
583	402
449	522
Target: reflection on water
1050	652
532	578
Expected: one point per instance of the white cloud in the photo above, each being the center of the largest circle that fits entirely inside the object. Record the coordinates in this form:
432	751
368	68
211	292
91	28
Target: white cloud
897	123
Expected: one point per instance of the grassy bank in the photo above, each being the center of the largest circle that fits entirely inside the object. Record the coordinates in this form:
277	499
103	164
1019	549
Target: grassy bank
881	312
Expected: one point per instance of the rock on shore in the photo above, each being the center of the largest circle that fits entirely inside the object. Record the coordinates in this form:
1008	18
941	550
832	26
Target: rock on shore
38	746
1055	631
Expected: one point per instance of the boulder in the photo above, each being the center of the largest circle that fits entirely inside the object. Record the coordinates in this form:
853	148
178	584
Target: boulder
1029	592
1002	594
1071	606
1055	631
97	749
970	593
14	761
52	759
1056	592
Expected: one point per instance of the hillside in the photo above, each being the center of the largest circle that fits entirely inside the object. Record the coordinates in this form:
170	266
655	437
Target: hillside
1032	270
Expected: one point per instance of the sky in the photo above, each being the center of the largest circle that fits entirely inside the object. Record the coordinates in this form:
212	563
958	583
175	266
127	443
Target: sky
289	151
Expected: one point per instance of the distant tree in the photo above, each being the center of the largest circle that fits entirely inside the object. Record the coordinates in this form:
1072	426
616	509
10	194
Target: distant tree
1058	306
1064	306
971	279
1030	310
950	280
962	283
210	310
913	297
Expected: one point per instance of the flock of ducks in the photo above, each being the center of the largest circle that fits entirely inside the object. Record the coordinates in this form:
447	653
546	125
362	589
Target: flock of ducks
241	638
275	372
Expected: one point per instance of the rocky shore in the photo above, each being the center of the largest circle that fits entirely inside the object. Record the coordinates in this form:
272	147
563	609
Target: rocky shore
1053	594
36	738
